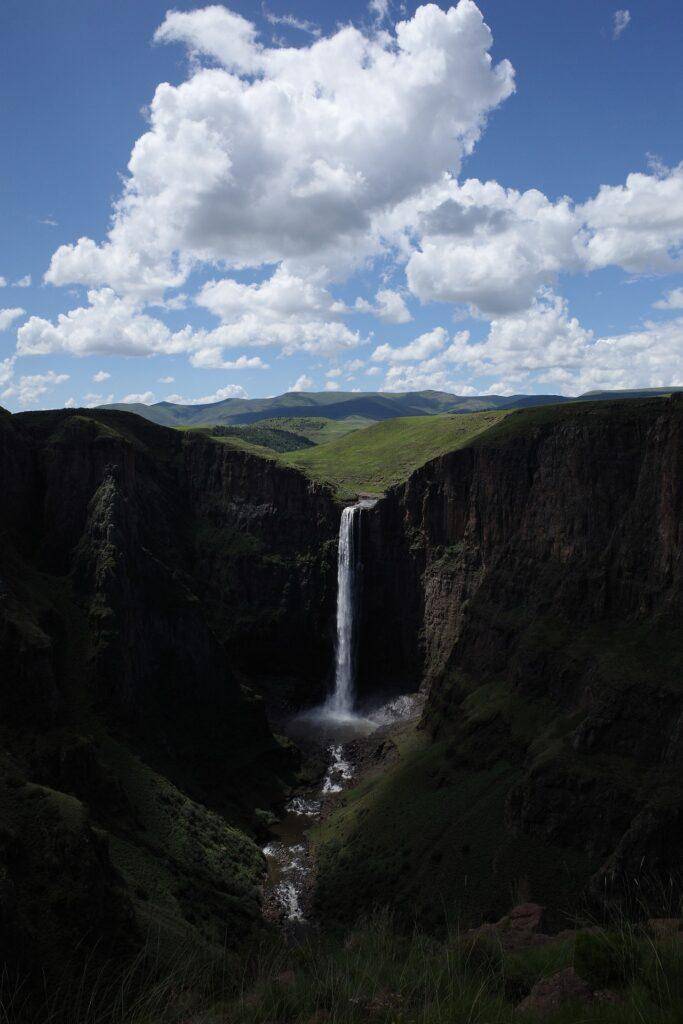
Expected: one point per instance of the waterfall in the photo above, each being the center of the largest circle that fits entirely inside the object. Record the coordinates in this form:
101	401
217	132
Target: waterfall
341	701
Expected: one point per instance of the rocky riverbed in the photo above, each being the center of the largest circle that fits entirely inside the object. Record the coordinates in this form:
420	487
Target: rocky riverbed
348	745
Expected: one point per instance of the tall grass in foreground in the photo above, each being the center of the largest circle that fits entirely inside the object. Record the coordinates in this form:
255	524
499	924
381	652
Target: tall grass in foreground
372	974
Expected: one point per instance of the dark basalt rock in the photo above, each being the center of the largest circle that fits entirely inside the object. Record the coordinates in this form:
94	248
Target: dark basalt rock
152	582
533	582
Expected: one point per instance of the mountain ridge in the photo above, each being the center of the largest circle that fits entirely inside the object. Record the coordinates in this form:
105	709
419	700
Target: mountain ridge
375	405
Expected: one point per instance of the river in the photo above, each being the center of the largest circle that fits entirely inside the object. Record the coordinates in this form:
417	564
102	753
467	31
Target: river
288	891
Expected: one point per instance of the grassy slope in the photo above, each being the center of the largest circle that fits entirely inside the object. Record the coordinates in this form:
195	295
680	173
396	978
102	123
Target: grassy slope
386	453
425	833
427	837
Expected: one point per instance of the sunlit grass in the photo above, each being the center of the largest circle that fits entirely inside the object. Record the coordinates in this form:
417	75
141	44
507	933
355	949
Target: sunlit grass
375	458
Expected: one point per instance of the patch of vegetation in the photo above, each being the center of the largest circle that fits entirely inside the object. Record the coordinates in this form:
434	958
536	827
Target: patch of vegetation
279	440
319	429
374	458
235	441
257	435
608	959
372	973
428	837
189	874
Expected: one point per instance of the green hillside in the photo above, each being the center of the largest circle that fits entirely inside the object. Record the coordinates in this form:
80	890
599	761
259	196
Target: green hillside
350	406
386	453
334	405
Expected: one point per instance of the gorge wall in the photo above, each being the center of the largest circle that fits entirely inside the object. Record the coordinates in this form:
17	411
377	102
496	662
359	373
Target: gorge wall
532	583
150	581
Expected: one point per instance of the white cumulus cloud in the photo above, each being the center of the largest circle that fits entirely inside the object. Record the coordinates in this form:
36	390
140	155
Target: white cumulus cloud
546	346
290	153
492	248
112	325
538	340
228	391
672	300
211	359
7	369
302	383
93	399
8	316
637	226
389	306
424	346
109	325
30	388
143	398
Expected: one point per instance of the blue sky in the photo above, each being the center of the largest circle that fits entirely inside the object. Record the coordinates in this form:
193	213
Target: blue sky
315	205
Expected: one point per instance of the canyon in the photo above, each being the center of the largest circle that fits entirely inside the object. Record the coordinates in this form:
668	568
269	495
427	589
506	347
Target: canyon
167	602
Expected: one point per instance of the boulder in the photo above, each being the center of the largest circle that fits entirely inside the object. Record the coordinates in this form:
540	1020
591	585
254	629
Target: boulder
549	994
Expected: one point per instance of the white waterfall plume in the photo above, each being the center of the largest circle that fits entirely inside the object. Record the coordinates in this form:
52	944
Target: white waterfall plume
341	702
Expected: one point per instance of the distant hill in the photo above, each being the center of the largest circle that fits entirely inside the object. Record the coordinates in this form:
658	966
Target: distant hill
334	405
629	393
339	405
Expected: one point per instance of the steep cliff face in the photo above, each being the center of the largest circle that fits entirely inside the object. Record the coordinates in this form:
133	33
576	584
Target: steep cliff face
265	547
145	578
178	544
576	512
532	583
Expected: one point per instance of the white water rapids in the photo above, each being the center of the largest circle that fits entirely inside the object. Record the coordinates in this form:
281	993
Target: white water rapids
287	853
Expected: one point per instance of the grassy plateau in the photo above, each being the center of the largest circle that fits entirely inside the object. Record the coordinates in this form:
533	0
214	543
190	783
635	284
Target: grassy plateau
374	458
